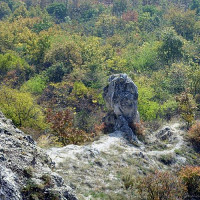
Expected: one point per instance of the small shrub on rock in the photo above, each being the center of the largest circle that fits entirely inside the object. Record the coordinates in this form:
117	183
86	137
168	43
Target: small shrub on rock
34	191
167	159
138	129
47	179
28	172
160	186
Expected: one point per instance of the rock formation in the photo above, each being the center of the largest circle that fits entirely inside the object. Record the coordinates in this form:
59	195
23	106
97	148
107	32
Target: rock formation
25	169
121	96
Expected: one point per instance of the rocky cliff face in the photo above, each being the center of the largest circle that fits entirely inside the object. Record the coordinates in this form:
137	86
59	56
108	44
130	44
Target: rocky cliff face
25	169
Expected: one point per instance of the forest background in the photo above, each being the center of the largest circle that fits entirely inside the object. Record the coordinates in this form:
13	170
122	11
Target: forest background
56	57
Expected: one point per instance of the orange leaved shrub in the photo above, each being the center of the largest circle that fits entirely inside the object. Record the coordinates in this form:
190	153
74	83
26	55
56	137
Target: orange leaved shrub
99	128
161	186
62	126
139	130
194	134
191	177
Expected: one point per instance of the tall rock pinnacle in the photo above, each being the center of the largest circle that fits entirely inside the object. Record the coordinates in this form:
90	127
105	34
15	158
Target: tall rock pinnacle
121	97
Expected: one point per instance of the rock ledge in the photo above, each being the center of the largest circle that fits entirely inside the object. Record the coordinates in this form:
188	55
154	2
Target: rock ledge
25	169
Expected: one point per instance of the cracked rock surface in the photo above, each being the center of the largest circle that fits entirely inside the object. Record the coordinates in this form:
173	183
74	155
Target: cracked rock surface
25	168
121	97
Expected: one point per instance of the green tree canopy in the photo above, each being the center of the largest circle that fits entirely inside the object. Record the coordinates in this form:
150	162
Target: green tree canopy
171	49
58	10
21	108
4	10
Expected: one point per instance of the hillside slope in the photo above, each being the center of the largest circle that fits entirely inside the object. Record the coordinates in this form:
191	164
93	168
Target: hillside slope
96	170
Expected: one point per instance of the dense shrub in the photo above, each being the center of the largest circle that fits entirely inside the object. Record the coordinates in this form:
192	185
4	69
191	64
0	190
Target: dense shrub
80	89
160	186
21	108
194	134
4	10
58	10
62	126
148	108
146	57
119	6
55	73
191	177
11	63
171	48
187	107
67	53
183	22
35	85
177	78
139	130
169	109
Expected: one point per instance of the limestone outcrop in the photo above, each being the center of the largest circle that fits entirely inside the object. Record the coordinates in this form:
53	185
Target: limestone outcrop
25	169
121	97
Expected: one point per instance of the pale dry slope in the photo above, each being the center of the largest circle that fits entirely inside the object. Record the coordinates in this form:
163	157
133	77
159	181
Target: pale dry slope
95	168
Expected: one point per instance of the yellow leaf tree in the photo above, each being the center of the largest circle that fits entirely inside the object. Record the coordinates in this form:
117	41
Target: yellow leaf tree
21	108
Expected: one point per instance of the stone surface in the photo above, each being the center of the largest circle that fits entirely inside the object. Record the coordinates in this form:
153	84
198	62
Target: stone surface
18	153
165	133
121	96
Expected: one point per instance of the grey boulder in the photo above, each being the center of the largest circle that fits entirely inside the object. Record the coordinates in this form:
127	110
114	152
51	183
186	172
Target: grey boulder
121	97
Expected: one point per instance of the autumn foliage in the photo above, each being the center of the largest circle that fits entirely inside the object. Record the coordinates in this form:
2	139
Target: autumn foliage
191	177
160	186
62	126
62	53
194	134
130	16
138	129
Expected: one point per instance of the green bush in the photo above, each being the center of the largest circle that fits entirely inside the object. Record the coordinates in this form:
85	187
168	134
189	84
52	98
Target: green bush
21	108
67	53
80	89
11	61
146	57
4	10
58	10
171	49
169	109
35	85
55	73
119	6
148	108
